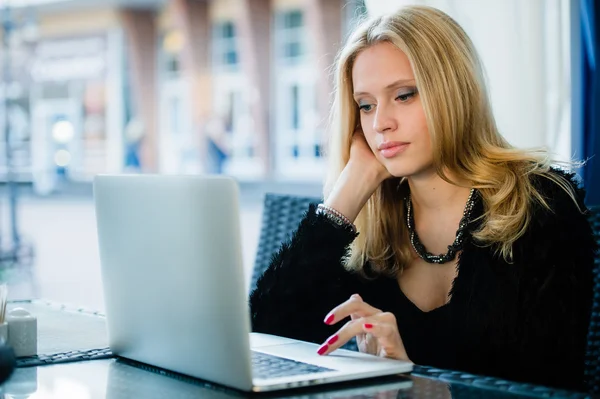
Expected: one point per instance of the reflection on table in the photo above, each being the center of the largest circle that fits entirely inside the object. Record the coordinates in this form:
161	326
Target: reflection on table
120	379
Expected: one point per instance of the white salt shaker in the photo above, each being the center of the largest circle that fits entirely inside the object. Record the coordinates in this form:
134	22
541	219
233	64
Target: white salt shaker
22	332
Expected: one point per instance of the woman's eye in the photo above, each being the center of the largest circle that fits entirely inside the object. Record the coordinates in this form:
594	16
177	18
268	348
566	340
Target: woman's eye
405	96
365	107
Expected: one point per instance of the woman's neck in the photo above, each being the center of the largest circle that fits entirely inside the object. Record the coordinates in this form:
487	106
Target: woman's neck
431	193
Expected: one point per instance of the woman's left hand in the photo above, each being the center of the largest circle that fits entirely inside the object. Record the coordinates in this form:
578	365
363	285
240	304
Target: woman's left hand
376	332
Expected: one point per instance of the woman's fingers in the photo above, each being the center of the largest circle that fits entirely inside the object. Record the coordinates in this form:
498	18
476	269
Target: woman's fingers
351	329
385	330
353	306
380	327
342	336
382	331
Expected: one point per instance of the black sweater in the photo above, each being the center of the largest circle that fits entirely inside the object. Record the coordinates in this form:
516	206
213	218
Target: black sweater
523	321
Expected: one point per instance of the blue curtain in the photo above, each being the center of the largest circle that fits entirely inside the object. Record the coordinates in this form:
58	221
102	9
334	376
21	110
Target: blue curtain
590	92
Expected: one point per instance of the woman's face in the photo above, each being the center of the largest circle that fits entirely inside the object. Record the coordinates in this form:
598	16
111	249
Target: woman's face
391	114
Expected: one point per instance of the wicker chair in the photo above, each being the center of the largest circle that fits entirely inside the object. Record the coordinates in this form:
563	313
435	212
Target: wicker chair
593	351
281	216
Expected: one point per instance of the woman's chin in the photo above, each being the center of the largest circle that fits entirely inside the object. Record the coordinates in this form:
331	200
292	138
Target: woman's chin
400	171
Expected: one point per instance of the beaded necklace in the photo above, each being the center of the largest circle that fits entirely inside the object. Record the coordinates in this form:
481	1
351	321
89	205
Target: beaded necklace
458	241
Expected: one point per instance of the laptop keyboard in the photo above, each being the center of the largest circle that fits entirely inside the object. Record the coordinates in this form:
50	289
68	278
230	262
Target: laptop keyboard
269	366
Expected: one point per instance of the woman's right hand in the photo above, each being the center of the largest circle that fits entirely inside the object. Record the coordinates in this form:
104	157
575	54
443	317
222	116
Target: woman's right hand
358	181
376	331
364	161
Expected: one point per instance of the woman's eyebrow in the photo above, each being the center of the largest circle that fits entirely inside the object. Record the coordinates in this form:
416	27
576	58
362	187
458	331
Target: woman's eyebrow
390	86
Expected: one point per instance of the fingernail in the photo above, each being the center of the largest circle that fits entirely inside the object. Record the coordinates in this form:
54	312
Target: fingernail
323	349
368	325
333	340
329	319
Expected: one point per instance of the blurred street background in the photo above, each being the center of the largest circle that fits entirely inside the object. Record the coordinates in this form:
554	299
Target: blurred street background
235	87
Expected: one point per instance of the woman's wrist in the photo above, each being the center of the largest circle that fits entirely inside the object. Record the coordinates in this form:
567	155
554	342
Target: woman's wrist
352	190
335	217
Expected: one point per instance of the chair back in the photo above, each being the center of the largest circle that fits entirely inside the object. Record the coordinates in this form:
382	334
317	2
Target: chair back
280	219
592	366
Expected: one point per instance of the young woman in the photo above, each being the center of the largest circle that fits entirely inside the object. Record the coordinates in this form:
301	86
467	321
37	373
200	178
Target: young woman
438	242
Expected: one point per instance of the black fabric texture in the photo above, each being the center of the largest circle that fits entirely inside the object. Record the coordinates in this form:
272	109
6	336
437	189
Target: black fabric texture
524	321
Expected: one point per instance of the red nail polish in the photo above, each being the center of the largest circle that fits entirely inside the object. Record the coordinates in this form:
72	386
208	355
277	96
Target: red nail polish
333	340
368	325
329	320
323	349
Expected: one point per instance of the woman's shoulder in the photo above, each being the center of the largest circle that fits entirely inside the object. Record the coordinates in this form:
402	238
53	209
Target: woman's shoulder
563	220
558	240
561	191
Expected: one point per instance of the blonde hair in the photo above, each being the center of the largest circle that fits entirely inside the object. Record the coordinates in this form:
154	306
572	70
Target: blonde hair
466	142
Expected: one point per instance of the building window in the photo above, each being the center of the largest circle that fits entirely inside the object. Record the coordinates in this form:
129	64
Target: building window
175	115
224	48
295	108
172	45
290	33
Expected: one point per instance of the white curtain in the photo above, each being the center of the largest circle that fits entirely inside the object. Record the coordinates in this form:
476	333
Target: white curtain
524	46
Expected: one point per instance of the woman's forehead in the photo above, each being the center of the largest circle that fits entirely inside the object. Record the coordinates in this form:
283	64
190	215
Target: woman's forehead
381	66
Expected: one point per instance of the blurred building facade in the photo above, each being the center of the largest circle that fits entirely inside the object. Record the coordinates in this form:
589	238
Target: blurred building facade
240	87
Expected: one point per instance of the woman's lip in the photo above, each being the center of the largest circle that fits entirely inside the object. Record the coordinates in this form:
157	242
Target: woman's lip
393	151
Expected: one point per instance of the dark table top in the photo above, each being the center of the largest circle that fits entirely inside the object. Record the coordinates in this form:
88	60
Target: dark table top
67	336
120	379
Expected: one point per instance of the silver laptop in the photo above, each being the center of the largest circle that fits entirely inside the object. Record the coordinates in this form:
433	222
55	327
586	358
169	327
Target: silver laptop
171	256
